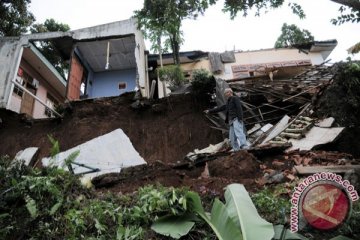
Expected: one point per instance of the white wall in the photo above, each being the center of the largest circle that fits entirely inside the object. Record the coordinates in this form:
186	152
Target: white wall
121	28
269	56
39	109
15	103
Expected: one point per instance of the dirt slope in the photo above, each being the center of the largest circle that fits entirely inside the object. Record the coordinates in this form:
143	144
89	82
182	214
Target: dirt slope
166	132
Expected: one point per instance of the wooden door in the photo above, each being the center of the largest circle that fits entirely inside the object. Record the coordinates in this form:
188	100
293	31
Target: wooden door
27	103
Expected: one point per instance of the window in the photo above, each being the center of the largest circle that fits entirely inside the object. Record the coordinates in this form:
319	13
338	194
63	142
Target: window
50	103
25	80
122	85
18	91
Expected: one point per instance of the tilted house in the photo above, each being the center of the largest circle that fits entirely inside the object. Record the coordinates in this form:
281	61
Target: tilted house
105	60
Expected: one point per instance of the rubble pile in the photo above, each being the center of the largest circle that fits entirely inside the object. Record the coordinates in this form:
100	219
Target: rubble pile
268	101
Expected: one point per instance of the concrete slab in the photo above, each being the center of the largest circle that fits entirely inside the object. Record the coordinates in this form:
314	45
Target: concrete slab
316	136
27	155
279	127
326	123
110	153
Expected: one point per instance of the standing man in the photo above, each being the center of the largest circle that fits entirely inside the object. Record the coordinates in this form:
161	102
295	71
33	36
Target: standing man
234	117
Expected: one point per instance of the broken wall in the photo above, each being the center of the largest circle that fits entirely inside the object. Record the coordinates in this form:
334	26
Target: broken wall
10	56
247	62
116	29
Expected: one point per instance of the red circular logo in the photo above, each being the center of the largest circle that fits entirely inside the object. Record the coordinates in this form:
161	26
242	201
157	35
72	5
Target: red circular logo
325	206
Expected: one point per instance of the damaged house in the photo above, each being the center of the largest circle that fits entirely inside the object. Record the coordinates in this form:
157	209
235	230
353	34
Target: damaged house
105	60
280	63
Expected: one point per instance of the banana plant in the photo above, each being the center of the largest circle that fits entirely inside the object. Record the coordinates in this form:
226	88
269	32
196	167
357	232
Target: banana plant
237	219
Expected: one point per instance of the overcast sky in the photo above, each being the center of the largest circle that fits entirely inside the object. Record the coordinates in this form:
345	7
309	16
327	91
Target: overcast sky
214	31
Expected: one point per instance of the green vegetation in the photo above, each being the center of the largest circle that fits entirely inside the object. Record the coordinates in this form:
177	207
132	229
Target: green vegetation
272	205
47	48
50	203
172	75
203	84
163	19
291	35
341	99
15	17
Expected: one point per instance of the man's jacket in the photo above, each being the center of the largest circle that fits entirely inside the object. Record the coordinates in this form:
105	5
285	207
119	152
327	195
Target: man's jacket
232	107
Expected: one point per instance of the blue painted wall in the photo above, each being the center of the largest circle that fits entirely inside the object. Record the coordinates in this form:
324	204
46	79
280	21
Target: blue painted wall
106	84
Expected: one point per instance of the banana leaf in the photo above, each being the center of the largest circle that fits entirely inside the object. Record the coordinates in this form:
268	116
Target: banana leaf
219	220
244	214
174	226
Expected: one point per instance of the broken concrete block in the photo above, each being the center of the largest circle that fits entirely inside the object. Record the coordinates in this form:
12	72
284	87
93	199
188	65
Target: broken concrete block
279	127
27	156
108	153
326	123
208	150
205	173
290	177
316	136
277	163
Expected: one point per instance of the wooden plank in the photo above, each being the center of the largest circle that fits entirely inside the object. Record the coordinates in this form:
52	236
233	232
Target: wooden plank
317	169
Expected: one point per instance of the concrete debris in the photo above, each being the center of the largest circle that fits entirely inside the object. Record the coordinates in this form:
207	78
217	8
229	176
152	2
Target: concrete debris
326	123
277	163
319	169
108	153
276	177
315	137
205	173
279	127
208	150
27	156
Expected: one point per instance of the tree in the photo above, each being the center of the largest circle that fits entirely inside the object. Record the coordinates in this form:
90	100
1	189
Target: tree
235	6
349	10
47	48
15	17
292	35
162	18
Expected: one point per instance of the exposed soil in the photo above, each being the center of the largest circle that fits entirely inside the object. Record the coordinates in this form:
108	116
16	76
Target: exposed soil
165	131
240	167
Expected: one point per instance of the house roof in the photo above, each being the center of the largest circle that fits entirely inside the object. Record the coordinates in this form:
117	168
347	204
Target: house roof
185	57
91	43
325	47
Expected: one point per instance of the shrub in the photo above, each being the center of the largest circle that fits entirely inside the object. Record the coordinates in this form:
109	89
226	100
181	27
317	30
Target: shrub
203	83
172	75
341	99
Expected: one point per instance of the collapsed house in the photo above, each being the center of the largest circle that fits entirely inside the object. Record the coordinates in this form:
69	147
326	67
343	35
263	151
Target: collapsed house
105	60
280	63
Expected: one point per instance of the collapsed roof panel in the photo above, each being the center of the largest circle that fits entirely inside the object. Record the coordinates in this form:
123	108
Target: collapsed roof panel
121	53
